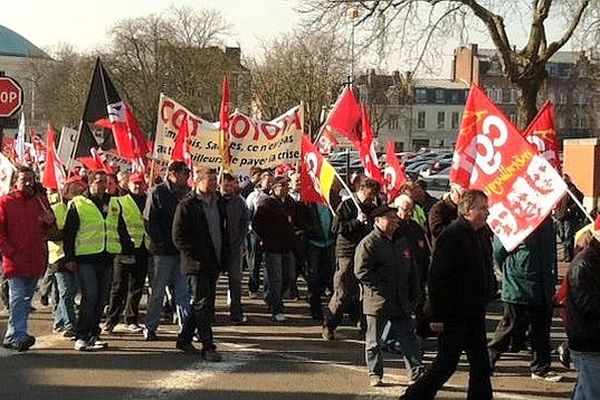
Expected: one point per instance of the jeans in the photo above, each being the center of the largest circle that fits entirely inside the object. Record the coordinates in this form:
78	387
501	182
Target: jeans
234	275
20	292
66	284
466	335
202	313
280	269
318	275
129	275
48	285
403	331
93	280
588	368
509	328
167	271
255	257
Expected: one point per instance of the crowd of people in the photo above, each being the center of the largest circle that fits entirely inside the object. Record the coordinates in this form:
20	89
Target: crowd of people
403	271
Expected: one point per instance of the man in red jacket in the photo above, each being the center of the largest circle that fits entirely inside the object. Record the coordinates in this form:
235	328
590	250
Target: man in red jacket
25	221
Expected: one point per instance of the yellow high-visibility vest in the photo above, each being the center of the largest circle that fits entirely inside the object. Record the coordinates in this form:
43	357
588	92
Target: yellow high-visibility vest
96	234
134	220
55	249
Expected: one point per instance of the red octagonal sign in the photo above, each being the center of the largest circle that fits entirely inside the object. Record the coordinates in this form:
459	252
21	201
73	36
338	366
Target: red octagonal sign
11	96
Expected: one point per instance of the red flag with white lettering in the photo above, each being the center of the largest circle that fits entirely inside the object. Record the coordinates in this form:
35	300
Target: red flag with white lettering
492	155
541	132
326	142
393	174
366	151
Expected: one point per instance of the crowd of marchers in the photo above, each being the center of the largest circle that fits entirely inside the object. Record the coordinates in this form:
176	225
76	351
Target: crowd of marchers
404	271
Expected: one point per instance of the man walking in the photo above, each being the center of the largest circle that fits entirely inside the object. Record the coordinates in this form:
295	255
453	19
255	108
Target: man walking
385	267
25	221
237	229
350	226
459	289
199	233
158	219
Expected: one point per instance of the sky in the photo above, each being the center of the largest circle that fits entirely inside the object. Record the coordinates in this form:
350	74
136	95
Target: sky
84	23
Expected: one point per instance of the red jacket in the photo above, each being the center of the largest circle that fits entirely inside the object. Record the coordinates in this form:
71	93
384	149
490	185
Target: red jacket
23	235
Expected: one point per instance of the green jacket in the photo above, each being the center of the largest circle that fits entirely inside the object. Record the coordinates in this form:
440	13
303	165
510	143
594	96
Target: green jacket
528	276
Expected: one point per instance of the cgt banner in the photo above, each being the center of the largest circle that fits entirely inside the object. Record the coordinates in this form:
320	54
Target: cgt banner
491	155
252	142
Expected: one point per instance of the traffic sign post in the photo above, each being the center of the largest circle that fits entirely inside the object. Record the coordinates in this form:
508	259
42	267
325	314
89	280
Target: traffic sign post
11	100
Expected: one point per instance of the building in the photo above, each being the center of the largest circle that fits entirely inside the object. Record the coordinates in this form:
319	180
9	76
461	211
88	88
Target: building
16	54
413	113
569	86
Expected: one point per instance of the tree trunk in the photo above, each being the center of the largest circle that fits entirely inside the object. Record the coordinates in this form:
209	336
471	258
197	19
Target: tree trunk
528	90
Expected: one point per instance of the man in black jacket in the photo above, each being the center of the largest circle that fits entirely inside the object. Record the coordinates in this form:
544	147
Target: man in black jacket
350	226
583	323
199	233
158	219
459	286
273	223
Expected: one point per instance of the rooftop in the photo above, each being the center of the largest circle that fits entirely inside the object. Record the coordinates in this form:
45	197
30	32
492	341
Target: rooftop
560	57
435	83
14	45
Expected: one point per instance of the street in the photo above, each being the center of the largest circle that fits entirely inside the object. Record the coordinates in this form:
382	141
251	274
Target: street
262	360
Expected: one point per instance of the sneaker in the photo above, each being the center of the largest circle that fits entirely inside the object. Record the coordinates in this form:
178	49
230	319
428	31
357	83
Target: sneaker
564	355
241	321
134	328
108	328
22	346
150	336
96	344
255	295
187	348
547	376
81	345
58	329
211	356
417	375
327	333
279	318
68	333
375	381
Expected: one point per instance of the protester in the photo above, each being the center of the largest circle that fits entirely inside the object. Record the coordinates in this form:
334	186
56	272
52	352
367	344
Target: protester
428	200
158	219
385	267
417	194
570	217
131	266
94	232
123	182
199	232
248	186
527	294
350	225
237	230
444	211
583	322
273	223
25	221
255	254
459	289
65	319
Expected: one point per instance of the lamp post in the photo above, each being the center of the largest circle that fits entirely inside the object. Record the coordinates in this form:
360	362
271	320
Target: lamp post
351	16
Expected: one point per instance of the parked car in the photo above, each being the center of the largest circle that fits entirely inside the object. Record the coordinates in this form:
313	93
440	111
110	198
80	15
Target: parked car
436	167
437	184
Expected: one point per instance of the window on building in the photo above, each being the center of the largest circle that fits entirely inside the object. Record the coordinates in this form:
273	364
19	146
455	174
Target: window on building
495	94
455	97
580	97
421	95
393	123
439	95
552	69
512	98
552	97
420	143
562	98
561	122
441	120
580	121
455	120
513	119
421	120
399	146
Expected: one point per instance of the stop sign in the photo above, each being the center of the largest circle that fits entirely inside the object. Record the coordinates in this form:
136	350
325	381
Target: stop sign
11	96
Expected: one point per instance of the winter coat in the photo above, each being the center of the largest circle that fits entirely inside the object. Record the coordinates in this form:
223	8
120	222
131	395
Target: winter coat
23	235
273	223
461	279
350	231
191	236
583	304
387	270
441	215
528	276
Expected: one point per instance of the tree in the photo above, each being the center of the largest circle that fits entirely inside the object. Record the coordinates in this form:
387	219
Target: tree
300	66
175	53
424	23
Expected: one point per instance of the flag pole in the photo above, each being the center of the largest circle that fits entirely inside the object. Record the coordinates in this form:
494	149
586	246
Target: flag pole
576	200
347	188
324	125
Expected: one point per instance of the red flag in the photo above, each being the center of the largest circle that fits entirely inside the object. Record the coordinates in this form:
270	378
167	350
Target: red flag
541	132
139	145
345	117
224	112
492	155
317	176
393	174
97	161
54	176
181	148
326	142
366	151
